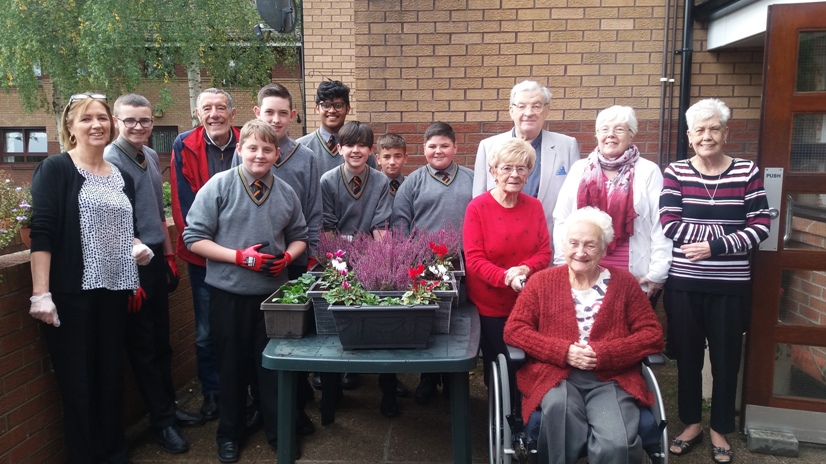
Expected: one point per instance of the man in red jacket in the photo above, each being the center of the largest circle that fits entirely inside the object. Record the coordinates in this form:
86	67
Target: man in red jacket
197	155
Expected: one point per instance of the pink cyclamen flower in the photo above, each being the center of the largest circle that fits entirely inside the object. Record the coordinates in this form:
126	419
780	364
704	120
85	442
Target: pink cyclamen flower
346	285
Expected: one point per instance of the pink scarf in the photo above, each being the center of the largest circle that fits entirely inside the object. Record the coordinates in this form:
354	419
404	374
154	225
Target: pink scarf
617	198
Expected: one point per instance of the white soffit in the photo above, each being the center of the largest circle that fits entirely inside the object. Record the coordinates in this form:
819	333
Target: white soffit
744	27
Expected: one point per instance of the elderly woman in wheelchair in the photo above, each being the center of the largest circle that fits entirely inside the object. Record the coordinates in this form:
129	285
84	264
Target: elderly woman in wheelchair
585	329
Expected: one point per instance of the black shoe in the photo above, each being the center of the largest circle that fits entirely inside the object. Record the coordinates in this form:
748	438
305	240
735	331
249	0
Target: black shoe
254	421
172	440
229	451
401	390
303	425
388	407
189	419
349	381
210	407
315	381
426	390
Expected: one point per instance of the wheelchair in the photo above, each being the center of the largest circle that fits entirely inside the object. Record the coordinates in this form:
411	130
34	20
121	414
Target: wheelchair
510	439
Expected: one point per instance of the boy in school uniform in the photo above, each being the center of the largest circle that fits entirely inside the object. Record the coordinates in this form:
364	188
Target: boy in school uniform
391	155
332	103
248	225
432	197
295	165
147	328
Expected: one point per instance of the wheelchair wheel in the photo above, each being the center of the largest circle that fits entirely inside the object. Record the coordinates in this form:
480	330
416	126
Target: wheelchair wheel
499	432
656	456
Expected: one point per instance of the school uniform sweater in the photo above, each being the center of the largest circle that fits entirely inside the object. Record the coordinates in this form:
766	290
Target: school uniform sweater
425	202
543	323
734	221
225	212
350	213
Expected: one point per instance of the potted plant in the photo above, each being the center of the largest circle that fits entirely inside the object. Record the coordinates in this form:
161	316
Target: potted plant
15	211
287	311
366	320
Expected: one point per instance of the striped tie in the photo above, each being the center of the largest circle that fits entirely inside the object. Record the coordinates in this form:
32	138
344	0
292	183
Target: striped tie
444	176
331	144
356	185
141	158
394	185
258	190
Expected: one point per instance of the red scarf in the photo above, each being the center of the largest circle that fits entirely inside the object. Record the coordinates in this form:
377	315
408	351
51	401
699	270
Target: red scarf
617	197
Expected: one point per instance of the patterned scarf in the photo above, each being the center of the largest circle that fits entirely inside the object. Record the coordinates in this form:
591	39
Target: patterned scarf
617	197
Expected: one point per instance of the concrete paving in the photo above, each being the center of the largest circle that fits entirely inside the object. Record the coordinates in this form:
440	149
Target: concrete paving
420	435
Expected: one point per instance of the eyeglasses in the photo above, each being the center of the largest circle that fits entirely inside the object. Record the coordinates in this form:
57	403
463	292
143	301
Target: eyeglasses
605	130
132	122
713	130
535	107
327	106
84	96
507	169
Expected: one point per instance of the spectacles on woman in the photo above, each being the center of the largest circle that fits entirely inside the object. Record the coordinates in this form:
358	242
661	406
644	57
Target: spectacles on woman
605	130
507	169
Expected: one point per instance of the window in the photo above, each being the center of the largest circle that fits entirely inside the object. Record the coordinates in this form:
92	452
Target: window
24	145
162	139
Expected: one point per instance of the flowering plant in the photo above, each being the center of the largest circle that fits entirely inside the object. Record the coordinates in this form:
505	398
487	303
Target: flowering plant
15	209
336	270
421	290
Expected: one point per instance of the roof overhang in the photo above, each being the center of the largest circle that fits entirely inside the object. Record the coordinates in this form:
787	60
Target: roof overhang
737	23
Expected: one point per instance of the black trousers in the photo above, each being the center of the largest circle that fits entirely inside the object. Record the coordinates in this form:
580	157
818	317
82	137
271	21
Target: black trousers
240	337
147	344
492	344
695	317
87	352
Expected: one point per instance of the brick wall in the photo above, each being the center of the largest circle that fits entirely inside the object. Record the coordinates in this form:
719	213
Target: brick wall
31	423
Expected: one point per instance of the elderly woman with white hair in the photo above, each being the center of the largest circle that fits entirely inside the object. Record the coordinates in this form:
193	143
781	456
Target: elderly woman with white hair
585	329
617	180
505	240
715	210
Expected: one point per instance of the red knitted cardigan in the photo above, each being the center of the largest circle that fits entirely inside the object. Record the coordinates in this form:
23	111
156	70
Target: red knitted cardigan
543	323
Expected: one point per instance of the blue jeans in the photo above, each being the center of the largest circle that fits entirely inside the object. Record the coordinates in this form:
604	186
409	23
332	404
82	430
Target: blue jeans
204	349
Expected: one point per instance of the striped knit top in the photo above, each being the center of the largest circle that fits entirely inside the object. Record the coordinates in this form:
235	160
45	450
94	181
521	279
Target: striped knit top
730	212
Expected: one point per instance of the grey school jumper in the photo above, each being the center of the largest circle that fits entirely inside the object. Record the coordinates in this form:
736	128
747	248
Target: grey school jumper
224	211
324	158
149	213
423	201
298	168
348	213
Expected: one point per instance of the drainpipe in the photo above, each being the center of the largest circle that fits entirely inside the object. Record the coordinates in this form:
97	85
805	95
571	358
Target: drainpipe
685	79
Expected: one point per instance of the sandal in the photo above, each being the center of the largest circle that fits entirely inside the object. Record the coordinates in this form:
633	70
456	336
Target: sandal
685	446
722	455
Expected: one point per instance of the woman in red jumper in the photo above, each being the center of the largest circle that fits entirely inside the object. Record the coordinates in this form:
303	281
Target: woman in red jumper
585	329
506	239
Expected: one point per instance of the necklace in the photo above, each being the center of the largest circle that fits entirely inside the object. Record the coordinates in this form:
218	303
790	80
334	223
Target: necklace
710	195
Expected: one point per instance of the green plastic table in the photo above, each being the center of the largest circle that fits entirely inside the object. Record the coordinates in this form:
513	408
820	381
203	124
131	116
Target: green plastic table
453	353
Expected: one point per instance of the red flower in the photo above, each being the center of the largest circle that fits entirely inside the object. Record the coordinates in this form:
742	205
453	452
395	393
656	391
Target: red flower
414	272
440	250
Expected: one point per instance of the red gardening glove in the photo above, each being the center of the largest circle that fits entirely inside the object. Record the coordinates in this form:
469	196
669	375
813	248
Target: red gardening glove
279	264
136	301
311	262
172	275
252	259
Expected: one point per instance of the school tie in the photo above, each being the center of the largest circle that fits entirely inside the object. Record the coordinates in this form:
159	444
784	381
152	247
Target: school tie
444	176
141	158
394	185
258	190
331	144
356	185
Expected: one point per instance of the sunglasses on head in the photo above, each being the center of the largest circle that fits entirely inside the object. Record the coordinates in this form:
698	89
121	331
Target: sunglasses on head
84	96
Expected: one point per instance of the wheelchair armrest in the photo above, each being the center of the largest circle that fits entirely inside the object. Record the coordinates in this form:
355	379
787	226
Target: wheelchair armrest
516	356
654	359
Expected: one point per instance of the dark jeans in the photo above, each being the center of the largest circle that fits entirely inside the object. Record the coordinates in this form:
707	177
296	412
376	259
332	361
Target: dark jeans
204	349
493	344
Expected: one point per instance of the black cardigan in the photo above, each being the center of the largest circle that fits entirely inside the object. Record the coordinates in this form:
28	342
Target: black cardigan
55	223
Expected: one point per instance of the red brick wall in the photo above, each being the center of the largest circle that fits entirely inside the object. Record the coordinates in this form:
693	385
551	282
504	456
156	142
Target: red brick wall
31	423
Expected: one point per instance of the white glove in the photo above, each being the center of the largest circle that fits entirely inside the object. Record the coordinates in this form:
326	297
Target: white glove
43	309
142	254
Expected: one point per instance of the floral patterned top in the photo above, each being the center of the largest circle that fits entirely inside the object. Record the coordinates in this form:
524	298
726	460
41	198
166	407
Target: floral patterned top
587	304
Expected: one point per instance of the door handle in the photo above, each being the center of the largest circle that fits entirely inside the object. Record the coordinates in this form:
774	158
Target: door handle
787	234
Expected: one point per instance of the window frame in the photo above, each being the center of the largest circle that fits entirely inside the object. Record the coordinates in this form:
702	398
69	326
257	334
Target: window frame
25	154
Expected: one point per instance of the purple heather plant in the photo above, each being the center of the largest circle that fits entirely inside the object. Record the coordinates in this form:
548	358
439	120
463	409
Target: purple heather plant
449	236
330	243
383	264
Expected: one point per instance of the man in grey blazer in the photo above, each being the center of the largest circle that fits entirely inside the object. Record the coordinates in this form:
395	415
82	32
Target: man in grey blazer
555	153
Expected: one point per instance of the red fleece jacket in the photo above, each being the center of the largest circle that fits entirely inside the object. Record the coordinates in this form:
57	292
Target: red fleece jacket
543	323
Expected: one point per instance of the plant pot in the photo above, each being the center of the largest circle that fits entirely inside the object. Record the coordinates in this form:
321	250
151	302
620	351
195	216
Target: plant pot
285	320
458	266
324	322
441	320
383	327
25	236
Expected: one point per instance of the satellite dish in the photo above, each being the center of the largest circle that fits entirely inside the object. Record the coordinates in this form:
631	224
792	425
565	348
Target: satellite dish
278	14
